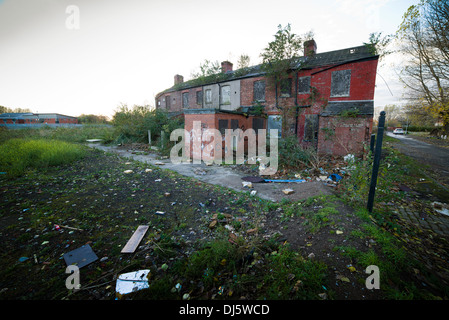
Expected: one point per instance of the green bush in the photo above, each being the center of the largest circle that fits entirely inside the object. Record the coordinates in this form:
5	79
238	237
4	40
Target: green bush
17	155
291	153
132	124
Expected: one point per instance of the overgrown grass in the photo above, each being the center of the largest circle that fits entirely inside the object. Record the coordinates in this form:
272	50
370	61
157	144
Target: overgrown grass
18	155
68	134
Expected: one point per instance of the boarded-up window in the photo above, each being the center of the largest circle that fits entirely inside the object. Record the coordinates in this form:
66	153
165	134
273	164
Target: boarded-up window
222	125
311	127
167	102
257	124
199	97
185	100
304	85
208	96
286	87
225	95
234	124
340	83
259	90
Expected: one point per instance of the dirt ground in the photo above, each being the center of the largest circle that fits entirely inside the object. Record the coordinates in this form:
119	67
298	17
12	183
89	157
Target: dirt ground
94	201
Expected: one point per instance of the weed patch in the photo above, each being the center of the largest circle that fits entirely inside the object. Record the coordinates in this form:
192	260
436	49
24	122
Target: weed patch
17	155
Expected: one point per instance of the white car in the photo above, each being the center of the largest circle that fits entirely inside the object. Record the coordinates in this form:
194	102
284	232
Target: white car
398	131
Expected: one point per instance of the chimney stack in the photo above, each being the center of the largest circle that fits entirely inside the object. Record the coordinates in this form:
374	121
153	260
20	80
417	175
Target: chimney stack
178	79
226	67
309	48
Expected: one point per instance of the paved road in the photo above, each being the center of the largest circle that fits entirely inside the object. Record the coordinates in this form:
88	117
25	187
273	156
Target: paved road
436	157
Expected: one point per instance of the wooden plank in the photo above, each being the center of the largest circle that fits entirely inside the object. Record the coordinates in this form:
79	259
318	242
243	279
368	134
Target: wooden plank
135	239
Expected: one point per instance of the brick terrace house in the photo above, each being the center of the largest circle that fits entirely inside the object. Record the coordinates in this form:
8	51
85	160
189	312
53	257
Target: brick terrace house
331	95
36	118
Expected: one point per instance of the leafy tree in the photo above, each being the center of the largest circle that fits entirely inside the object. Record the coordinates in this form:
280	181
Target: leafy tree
378	44
424	38
207	68
243	61
92	119
278	59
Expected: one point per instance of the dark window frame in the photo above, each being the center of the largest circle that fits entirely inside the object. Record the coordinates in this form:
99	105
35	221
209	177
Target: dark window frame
199	97
285	89
304	81
311	127
258	91
221	126
167	102
185	100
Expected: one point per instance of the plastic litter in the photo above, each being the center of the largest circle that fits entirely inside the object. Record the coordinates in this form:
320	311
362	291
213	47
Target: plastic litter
132	282
335	177
294	180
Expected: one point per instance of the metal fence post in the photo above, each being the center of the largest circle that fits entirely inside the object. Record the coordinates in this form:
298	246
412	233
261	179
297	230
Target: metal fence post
372	142
377	153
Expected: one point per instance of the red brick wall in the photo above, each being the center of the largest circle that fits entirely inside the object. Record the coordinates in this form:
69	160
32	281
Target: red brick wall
341	136
210	121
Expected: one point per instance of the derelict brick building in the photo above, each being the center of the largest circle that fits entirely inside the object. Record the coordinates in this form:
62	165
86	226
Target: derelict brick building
330	96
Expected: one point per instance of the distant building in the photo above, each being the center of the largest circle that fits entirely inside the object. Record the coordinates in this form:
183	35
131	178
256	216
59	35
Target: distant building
331	93
36	118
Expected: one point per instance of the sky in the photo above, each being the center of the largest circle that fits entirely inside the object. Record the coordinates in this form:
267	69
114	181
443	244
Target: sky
90	56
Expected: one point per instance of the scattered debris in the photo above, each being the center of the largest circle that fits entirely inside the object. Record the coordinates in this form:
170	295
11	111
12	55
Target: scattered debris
135	239
286	180
159	163
132	282
441	208
335	177
213	224
288	191
128	171
253	193
247	184
200	171
252	231
80	257
161	213
71	228
349	158
342	278
253	179
148	170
